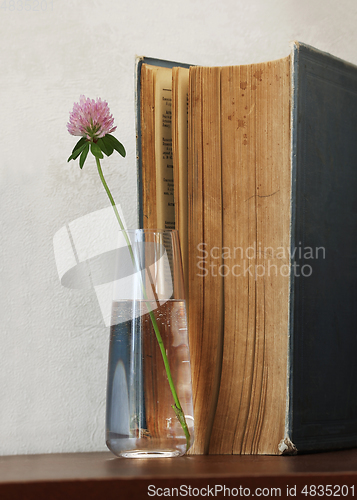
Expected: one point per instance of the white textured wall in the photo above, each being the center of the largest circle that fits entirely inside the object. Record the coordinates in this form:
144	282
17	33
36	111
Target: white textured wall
53	343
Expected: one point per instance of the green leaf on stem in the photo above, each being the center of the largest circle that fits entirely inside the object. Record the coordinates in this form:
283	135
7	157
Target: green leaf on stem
83	156
108	145
116	144
96	151
77	152
105	146
80	143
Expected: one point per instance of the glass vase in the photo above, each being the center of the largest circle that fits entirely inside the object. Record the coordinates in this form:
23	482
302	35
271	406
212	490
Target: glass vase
149	390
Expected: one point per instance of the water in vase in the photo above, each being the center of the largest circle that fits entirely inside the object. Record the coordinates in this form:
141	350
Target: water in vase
140	417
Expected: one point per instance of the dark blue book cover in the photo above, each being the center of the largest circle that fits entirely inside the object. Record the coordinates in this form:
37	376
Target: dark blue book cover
323	328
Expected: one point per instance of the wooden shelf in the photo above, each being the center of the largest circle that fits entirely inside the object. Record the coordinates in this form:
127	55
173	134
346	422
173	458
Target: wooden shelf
103	476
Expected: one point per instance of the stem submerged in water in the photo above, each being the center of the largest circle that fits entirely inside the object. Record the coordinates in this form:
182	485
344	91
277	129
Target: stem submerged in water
177	406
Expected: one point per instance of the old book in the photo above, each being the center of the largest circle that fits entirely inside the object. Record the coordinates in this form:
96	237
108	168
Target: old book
255	218
157	171
271	236
154	143
205	289
179	130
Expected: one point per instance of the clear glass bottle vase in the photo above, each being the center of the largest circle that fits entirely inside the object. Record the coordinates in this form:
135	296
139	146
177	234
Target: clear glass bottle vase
149	376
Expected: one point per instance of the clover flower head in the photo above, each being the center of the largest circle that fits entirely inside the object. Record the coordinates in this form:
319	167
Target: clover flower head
93	122
90	119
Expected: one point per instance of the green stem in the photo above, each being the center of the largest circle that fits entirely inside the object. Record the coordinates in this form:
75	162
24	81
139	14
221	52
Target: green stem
177	406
